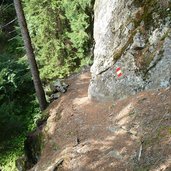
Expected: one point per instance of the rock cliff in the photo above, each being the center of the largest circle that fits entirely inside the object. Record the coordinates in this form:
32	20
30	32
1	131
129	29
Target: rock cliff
135	36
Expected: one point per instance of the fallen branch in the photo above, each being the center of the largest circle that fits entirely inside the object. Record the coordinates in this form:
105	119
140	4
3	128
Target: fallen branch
140	152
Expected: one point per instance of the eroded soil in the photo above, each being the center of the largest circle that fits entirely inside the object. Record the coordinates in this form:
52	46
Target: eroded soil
125	135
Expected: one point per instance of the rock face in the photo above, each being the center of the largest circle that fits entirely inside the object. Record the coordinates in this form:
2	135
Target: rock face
134	35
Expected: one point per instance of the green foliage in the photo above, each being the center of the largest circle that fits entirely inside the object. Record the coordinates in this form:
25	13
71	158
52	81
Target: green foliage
60	34
18	109
15	44
10	152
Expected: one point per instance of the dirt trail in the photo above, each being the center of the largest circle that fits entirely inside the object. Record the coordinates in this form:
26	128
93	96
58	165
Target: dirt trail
126	135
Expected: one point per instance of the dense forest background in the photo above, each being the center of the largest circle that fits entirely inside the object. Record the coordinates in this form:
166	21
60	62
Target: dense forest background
61	33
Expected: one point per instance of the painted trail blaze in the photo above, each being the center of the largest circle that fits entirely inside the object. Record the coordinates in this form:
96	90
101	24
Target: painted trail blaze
119	72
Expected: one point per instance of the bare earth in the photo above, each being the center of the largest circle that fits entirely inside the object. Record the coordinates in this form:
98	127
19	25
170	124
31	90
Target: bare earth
132	134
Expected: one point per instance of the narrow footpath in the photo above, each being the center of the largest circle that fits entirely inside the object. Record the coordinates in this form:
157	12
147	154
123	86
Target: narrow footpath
132	134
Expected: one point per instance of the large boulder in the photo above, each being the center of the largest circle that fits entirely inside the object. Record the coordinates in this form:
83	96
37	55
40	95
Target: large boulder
135	36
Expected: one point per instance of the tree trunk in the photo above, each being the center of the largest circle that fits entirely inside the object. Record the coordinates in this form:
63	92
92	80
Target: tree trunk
30	54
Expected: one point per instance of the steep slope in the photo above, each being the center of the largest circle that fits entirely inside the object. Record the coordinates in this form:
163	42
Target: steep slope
84	135
135	36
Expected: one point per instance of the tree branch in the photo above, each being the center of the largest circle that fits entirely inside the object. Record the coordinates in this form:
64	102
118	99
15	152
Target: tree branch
2	26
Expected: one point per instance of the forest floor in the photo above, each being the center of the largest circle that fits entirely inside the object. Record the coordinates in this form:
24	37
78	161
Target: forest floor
133	134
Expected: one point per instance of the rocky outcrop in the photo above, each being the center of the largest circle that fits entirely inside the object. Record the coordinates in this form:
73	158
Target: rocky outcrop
135	36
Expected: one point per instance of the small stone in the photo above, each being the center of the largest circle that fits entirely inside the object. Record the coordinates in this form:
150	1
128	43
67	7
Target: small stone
55	96
115	154
151	49
113	129
132	131
138	42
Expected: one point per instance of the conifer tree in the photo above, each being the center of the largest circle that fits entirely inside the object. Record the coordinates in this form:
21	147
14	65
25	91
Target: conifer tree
30	54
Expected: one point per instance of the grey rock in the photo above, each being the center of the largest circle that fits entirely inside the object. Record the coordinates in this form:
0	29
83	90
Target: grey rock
55	96
115	154
138	42
108	86
157	34
113	129
141	51
151	49
59	86
160	74
109	18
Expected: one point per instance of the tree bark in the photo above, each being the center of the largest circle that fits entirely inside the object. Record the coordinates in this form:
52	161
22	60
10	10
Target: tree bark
30	54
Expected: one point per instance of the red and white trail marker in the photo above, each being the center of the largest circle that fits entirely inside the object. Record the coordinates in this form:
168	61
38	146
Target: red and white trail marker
118	72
